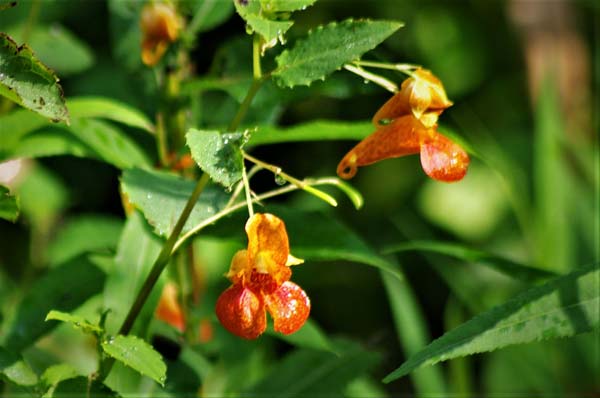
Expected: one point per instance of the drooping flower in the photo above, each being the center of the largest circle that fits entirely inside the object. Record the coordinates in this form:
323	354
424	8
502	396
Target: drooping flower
160	26
260	283
407	124
168	309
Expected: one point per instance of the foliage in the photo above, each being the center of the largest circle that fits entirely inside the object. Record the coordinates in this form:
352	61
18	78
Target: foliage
164	169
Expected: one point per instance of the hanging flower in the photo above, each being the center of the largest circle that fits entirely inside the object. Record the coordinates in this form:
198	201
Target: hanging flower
160	26
260	277
407	124
168	309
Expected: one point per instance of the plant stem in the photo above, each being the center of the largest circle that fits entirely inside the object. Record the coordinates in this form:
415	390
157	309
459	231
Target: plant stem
163	258
233	208
31	19
248	192
405	68
380	80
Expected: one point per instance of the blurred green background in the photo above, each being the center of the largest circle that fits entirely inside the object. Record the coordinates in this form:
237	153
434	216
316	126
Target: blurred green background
524	78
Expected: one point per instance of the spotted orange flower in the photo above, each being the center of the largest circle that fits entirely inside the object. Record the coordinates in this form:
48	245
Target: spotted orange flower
260	277
407	124
160	26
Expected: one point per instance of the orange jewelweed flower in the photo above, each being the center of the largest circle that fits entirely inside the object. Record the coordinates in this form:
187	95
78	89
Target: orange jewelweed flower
168	309
160	26
260	277
407	124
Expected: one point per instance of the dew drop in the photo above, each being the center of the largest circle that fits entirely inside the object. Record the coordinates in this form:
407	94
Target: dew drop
365	81
279	180
148	196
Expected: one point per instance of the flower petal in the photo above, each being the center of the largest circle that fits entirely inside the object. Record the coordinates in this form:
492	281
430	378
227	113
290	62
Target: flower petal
289	306
241	312
443	159
266	234
239	267
168	309
401	137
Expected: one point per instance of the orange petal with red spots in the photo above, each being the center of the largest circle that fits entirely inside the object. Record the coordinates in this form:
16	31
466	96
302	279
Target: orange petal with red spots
289	306
241	312
401	137
443	159
267	236
395	107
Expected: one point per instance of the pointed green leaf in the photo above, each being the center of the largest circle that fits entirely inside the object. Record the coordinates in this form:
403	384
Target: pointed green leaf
258	21
286	5
28	82
319	130
138	355
162	196
218	154
9	205
77	321
89	138
209	14
16	370
65	288
55	374
504	265
108	108
563	307
328	48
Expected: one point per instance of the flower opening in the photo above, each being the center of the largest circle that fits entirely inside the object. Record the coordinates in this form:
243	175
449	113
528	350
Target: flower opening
260	283
407	124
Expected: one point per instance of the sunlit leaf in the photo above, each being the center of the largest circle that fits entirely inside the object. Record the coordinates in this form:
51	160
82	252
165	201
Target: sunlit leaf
108	108
462	252
162	196
64	288
28	82
319	130
287	5
9	205
218	154
137	354
56	374
252	12
77	321
563	307
328	48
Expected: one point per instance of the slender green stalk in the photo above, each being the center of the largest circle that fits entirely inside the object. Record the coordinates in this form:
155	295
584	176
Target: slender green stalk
380	80
259	198
248	192
405	68
34	11
163	258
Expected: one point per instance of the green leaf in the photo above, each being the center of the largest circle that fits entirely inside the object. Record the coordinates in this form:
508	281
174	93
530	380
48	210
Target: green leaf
563	307
553	208
84	138
16	370
138	355
9	205
108	108
75	320
328	48
461	252
209	14
305	373
218	154
57	47
162	196
252	12
310	335
55	374
137	249
84	234
319	130
286	5
411	329
15	125
28	82
64	288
